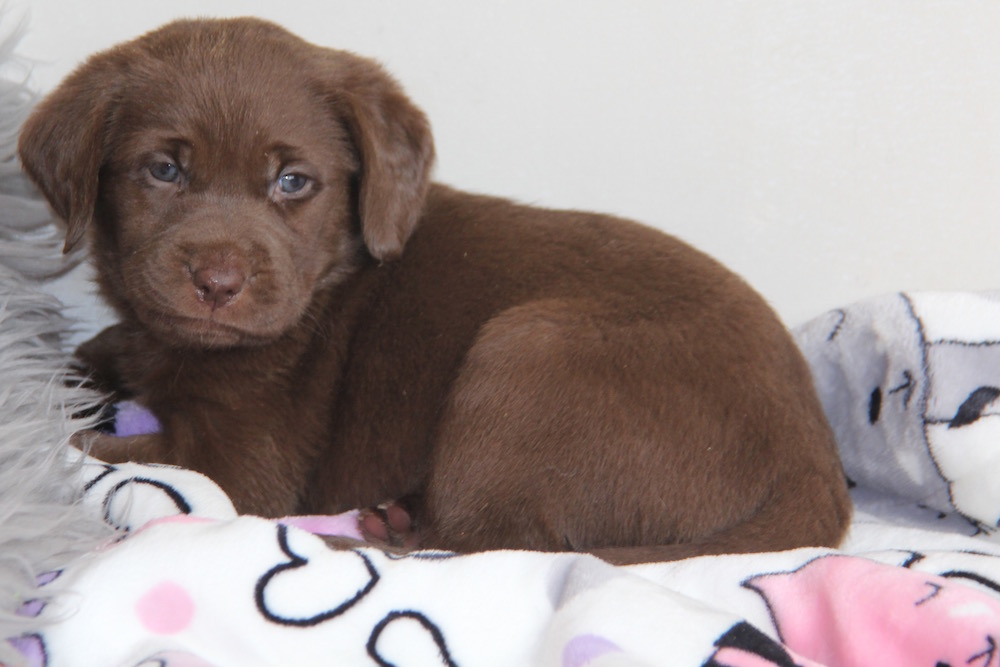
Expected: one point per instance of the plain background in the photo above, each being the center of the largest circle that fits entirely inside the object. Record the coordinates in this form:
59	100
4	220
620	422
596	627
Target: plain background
826	150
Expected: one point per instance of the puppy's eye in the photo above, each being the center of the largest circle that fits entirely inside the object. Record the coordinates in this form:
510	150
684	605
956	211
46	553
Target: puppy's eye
292	183
168	172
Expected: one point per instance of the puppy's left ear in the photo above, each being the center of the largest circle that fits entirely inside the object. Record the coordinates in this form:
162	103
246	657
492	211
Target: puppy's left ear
395	148
62	144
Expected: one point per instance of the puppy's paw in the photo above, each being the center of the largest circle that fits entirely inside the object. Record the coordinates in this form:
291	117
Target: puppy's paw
147	448
389	524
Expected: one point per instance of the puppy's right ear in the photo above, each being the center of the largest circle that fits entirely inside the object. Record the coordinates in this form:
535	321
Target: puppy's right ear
62	144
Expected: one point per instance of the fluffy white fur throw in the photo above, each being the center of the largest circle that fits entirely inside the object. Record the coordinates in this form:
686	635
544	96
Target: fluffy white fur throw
41	526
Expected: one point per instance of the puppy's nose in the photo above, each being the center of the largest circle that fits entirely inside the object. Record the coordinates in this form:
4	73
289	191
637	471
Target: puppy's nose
218	285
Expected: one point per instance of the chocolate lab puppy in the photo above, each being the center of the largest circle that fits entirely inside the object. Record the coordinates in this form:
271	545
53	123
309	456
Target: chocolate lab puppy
318	327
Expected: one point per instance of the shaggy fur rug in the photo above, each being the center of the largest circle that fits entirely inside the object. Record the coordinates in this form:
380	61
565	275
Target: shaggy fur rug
42	527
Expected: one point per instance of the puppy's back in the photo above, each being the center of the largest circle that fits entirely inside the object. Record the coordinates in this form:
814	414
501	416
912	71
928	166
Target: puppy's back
594	382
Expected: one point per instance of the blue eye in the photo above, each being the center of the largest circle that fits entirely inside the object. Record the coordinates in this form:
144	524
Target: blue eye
168	172
292	183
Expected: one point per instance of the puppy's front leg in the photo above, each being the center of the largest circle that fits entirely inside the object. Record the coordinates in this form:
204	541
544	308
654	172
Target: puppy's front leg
147	448
103	359
258	476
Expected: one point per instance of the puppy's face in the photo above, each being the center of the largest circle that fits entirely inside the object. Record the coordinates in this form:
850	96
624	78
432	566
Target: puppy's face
228	172
225	201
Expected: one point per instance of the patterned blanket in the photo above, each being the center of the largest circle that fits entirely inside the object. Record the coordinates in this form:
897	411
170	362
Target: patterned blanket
910	382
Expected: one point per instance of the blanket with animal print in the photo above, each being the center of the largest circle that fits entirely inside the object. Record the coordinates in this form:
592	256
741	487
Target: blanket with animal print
910	383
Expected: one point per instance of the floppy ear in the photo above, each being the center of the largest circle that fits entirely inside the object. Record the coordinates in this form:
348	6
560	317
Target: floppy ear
62	144
393	140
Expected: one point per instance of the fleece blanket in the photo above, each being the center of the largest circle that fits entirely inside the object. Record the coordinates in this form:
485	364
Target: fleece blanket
910	382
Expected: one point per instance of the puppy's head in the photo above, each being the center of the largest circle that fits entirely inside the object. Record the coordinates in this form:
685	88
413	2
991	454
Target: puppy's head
228	171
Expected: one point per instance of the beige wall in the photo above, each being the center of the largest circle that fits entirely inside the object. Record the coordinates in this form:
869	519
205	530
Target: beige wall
826	150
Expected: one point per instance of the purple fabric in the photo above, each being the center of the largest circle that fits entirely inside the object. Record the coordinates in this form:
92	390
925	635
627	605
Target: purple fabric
133	419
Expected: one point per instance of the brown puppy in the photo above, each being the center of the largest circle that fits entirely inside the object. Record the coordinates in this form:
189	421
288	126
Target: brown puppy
318	327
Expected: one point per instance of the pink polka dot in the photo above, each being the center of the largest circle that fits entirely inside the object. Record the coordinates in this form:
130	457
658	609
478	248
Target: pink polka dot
165	609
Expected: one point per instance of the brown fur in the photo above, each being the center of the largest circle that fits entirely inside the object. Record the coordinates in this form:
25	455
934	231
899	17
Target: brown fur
525	378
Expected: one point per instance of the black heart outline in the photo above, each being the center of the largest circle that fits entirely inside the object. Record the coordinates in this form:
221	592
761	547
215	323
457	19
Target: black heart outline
296	562
173	494
108	469
435	633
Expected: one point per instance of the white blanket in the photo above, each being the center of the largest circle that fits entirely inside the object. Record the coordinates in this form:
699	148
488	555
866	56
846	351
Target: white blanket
910	383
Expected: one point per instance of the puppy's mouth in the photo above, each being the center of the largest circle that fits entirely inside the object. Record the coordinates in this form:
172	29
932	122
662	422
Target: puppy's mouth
214	308
215	296
203	332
